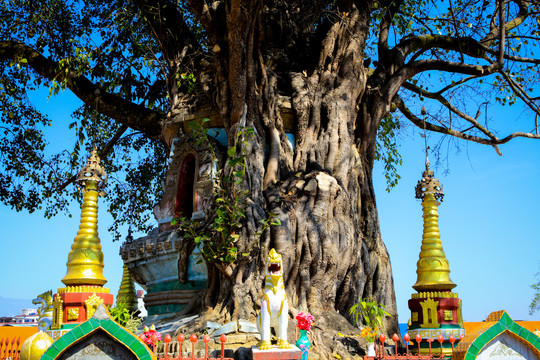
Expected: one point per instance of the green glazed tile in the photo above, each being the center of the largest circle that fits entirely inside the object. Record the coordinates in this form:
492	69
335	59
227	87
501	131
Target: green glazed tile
498	328
69	337
77	332
473	349
116	332
139	348
529	336
492	332
60	344
519	331
481	341
85	327
94	323
129	341
52	352
108	325
123	335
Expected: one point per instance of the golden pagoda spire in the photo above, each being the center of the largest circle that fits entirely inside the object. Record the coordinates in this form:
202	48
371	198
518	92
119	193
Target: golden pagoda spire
432	268
85	260
127	294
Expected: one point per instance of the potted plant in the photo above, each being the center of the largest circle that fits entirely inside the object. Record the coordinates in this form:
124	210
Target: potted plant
372	314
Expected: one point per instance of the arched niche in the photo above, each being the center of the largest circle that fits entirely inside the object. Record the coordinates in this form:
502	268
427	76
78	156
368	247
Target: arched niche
188	184
185	187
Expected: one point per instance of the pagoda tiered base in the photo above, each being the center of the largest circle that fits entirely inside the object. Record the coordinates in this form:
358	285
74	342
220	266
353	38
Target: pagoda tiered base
434	314
74	305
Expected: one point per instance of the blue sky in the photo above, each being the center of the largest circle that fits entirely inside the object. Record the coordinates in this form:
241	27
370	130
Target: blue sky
488	224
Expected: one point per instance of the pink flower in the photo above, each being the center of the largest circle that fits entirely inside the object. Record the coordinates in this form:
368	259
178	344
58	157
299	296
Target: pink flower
150	336
304	321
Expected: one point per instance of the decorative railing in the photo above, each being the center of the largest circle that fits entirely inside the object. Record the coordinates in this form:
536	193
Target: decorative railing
193	338
10	348
380	352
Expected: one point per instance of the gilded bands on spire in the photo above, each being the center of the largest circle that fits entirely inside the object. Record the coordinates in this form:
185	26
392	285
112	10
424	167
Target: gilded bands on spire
432	267
127	294
85	260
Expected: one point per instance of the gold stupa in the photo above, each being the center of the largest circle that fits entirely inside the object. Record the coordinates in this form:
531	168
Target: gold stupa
432	268
127	294
85	260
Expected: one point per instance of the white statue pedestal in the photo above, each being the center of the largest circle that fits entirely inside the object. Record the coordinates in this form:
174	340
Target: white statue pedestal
276	353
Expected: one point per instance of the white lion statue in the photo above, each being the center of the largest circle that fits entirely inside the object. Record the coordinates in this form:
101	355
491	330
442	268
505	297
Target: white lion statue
274	306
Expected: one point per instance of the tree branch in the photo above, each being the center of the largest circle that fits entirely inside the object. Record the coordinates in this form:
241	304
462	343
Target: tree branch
135	116
385	27
465	45
499	63
449	106
202	12
444	130
520	92
522	14
448	66
102	154
456	83
456	29
169	27
407	72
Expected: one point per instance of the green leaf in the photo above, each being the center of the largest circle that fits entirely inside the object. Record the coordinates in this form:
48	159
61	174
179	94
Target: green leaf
239	174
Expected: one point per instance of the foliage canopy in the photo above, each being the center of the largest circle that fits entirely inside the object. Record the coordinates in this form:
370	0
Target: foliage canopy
134	63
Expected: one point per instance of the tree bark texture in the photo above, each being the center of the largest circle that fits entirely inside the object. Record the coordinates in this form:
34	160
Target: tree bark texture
321	191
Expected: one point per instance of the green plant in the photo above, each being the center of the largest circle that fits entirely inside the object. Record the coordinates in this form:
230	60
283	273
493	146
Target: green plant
535	303
188	80
386	149
121	314
372	313
219	237
133	323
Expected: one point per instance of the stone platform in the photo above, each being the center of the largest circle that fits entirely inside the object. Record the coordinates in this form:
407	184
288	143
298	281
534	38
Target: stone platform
276	353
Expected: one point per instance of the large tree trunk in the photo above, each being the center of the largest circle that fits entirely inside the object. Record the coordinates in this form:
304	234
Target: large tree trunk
321	192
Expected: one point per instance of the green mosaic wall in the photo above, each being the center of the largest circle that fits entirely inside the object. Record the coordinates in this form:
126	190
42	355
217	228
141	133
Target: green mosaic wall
141	351
504	324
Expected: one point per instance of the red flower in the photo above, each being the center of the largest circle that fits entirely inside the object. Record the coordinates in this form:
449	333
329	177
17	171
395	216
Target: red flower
304	321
